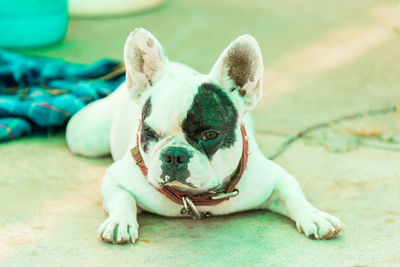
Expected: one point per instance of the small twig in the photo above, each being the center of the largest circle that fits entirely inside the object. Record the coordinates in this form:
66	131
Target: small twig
116	71
285	145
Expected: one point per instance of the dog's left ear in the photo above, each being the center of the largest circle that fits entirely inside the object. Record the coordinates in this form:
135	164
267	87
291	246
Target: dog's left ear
145	61
239	69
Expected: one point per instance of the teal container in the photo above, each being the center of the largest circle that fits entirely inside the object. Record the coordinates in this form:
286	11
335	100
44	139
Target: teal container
31	23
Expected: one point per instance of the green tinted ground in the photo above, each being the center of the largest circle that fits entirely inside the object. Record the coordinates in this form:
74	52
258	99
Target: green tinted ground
51	204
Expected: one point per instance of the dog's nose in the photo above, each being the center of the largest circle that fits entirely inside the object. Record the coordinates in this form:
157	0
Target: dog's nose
176	157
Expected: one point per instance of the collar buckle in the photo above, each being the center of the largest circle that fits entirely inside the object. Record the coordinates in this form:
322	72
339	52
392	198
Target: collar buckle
220	195
191	210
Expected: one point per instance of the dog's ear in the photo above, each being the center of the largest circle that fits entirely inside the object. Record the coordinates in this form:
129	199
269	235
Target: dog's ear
239	69
145	61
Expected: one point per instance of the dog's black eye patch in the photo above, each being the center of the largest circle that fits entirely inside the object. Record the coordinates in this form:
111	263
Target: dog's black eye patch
146	133
211	111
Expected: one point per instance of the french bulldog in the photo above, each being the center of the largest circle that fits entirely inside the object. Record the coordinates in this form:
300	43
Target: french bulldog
183	143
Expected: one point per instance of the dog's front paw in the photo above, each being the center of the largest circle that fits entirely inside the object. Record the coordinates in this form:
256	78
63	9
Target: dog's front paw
318	225
119	230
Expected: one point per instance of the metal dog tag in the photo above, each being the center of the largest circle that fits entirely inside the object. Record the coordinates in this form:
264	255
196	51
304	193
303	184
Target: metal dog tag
190	209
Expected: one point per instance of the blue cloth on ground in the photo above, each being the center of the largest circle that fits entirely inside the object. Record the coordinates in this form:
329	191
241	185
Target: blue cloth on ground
39	95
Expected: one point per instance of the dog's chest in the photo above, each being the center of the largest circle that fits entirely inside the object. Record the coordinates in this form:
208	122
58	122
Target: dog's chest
254	189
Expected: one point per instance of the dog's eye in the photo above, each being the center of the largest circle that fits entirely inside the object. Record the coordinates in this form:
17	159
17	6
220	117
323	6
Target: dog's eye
210	135
150	133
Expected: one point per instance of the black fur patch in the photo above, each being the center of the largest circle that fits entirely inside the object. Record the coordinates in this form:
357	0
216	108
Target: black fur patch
139	60
211	109
144	140
241	64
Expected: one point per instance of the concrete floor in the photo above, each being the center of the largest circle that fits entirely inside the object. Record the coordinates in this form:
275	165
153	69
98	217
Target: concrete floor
323	59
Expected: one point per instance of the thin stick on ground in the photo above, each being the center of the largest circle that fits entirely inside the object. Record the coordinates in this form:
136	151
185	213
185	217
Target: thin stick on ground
285	145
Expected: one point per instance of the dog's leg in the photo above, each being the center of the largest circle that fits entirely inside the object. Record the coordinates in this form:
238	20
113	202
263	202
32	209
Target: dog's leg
288	199
121	226
88	131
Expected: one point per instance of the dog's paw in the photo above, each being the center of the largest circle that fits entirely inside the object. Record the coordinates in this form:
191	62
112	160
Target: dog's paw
318	225
119	230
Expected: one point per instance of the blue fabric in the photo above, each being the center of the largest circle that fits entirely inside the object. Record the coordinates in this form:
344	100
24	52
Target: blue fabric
39	95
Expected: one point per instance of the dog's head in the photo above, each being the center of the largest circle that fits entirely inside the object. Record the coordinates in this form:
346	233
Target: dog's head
190	135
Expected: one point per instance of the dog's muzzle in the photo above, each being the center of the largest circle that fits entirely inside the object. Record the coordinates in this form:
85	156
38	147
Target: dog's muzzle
175	160
174	165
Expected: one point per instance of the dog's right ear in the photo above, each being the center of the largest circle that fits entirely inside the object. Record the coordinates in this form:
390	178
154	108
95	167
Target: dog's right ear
145	61
239	69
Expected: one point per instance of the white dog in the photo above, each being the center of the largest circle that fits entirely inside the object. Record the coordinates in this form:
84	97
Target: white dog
183	143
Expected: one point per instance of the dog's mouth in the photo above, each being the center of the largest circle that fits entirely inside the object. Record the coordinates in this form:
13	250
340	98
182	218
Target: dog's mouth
179	186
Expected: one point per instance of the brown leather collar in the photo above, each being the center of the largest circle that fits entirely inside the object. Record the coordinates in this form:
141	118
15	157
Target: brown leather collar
210	197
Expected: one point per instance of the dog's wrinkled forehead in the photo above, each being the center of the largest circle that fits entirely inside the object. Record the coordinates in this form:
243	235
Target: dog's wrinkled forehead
194	105
190	111
170	102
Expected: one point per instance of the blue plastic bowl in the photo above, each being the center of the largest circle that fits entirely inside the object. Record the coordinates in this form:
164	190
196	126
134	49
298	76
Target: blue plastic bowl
29	23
